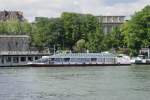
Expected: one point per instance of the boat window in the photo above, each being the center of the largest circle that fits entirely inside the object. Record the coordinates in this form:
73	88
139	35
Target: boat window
30	58
23	59
93	59
52	59
43	60
8	59
119	56
66	59
58	59
2	60
15	59
36	58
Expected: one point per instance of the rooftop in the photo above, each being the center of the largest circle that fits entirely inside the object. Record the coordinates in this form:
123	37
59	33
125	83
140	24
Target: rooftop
24	53
14	36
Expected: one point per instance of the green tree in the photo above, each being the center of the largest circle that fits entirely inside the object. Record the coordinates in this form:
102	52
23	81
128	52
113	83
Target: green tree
25	27
15	27
48	32
136	31
3	27
78	26
95	40
40	33
71	23
80	46
115	39
57	32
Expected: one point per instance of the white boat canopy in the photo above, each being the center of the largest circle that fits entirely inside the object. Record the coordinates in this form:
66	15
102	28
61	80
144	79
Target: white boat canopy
83	55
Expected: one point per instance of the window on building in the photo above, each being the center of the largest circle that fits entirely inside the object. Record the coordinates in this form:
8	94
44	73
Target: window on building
8	59
30	58
36	58
15	59
2	60
23	59
16	44
120	19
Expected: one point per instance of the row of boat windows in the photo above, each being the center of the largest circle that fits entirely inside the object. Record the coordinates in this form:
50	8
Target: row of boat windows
84	59
16	59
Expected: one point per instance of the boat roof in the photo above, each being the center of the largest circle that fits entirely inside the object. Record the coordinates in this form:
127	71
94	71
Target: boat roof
83	55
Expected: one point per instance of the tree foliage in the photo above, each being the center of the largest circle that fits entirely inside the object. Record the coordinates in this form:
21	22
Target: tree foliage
115	39
136	31
47	32
81	32
80	46
95	39
15	27
79	27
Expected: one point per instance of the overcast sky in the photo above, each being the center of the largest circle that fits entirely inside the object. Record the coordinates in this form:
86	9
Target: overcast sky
54	8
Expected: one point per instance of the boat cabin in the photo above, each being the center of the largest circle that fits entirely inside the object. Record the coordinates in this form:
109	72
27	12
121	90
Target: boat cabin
83	58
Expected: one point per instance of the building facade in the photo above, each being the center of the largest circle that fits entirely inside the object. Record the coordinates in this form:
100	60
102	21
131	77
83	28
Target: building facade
110	22
15	50
11	15
14	43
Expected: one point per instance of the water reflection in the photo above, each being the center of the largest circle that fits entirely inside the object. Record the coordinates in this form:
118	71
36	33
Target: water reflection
71	83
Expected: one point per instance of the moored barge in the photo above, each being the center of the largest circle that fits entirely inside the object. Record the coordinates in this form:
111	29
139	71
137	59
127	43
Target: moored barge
81	59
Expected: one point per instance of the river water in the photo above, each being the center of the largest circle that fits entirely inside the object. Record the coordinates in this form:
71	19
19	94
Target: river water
75	83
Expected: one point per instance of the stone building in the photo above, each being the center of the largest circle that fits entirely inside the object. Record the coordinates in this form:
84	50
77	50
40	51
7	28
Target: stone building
14	42
15	50
11	15
110	22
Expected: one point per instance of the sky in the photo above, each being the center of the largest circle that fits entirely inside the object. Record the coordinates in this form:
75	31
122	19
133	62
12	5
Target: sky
54	8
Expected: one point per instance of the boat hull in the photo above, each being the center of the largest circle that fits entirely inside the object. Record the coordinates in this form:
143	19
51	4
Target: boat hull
65	65
142	63
74	65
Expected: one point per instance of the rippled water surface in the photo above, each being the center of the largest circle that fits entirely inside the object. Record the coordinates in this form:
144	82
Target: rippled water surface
75	83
